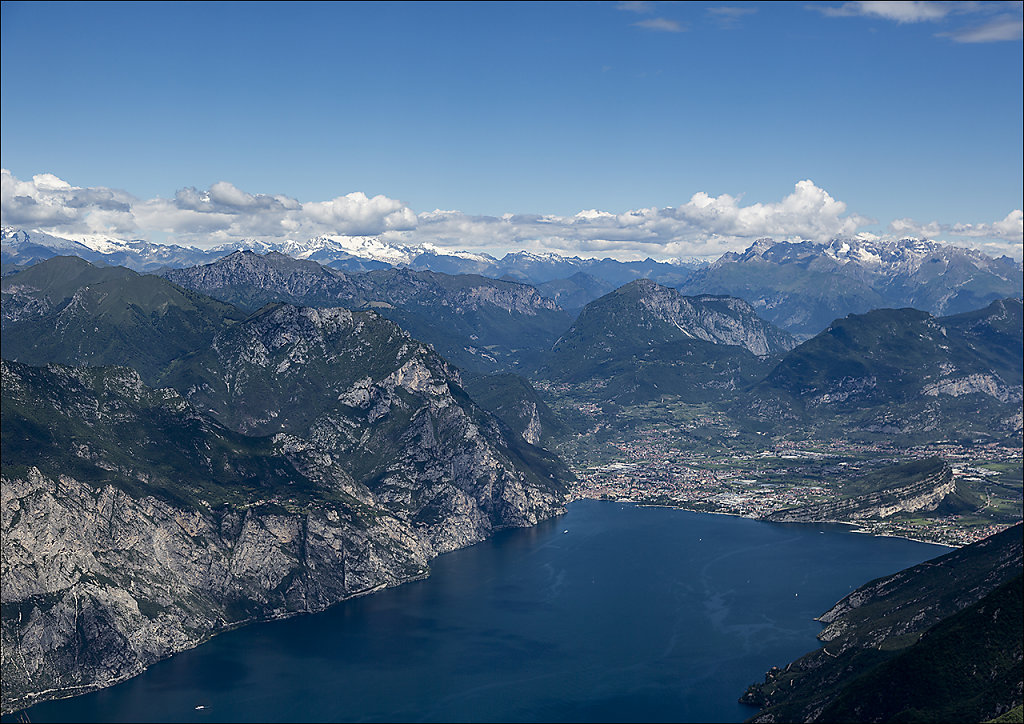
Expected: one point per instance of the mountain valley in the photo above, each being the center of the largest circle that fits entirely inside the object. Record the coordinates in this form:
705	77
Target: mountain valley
275	434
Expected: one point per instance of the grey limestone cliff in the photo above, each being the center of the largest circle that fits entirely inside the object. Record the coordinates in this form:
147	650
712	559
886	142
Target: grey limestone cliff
924	494
309	456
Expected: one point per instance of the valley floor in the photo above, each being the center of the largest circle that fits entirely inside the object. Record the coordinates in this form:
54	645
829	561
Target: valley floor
652	469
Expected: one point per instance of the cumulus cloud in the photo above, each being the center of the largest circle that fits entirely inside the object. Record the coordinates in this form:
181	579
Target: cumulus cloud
1009	229
703	226
356	214
222	213
50	202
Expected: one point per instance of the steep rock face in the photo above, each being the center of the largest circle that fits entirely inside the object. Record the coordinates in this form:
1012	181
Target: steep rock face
99	584
644	309
479	323
385	408
718	319
140	528
924	494
644	341
349	456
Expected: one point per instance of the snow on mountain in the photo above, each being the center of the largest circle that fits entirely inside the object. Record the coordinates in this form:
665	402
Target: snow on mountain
102	243
16	238
365	247
253	245
804	286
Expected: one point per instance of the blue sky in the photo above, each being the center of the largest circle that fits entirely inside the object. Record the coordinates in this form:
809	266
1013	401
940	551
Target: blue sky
904	112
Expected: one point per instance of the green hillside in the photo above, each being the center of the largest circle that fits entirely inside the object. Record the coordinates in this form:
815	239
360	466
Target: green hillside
940	641
70	312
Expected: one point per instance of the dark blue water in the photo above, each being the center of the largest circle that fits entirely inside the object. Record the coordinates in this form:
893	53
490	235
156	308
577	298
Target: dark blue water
642	614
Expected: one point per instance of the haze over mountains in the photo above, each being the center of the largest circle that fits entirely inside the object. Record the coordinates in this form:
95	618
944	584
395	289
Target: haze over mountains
800	287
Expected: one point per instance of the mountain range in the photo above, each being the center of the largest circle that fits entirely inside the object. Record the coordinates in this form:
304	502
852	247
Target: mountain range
348	253
274	434
798	286
481	324
901	372
802	287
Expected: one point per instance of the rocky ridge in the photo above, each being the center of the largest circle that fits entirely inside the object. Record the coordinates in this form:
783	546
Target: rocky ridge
803	286
909	629
924	494
306	456
479	323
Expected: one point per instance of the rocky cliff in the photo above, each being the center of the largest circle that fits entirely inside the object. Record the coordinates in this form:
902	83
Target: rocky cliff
479	323
308	456
644	341
924	494
98	584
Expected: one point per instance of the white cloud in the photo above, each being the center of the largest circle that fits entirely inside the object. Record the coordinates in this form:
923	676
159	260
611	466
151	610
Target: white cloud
1001	29
359	215
907	11
987	22
636	6
705	225
50	202
1005	236
204	217
1010	228
660	24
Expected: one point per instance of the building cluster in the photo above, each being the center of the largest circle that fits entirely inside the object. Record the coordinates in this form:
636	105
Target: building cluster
654	469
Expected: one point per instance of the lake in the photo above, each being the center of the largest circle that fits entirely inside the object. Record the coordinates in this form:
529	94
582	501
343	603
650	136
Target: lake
611	612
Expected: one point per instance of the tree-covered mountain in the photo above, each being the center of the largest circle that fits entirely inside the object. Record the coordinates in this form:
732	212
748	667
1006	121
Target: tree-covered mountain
940	641
575	292
67	311
292	458
802	287
481	324
902	371
644	340
514	401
